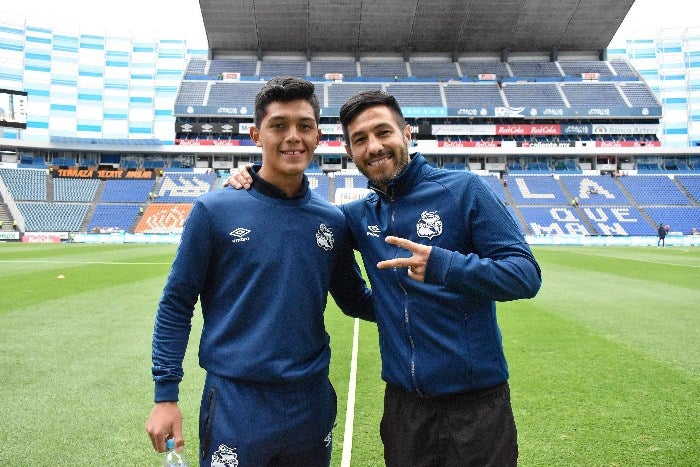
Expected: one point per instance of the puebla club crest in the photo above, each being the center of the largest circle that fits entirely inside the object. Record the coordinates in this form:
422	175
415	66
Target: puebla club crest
324	237
429	225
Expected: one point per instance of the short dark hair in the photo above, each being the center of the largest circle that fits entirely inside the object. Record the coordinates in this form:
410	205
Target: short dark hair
285	89
364	100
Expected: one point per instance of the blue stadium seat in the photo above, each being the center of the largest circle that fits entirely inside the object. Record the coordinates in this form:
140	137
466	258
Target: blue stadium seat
535	190
25	184
654	190
75	189
117	215
183	187
53	217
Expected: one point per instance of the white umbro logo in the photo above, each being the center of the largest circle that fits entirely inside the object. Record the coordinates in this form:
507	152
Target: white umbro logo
240	234
373	230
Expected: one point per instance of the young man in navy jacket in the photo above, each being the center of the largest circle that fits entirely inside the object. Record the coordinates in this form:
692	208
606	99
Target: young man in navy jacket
439	249
261	263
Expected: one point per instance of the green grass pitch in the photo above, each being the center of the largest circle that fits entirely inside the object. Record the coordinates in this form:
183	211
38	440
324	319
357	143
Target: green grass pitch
604	362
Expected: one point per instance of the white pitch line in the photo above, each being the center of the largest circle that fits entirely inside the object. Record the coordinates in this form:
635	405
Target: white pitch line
350	409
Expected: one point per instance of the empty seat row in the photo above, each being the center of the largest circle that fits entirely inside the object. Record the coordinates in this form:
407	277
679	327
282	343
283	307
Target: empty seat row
390	68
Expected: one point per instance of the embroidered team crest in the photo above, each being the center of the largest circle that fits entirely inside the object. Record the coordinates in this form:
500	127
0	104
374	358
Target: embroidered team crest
324	237
224	457
429	225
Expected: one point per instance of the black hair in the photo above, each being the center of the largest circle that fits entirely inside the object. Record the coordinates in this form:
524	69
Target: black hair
285	89
364	100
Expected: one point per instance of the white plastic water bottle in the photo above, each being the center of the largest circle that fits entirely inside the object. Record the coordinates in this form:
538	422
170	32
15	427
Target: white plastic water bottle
172	457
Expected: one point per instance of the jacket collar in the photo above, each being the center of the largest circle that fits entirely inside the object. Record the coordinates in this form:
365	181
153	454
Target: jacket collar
270	190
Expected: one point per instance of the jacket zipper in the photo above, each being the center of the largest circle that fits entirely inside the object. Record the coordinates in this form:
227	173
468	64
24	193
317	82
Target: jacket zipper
406	316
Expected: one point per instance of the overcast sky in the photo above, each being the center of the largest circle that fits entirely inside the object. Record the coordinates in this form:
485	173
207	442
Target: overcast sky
180	17
647	18
644	20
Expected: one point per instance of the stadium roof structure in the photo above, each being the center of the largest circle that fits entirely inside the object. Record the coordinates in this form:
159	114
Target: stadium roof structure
407	26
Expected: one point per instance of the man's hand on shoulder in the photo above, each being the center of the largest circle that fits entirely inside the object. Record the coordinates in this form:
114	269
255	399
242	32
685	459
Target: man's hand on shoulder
239	178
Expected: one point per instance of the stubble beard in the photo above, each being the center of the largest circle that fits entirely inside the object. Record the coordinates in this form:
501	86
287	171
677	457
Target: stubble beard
383	181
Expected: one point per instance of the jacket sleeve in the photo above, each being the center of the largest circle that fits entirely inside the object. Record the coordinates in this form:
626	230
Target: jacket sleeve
176	307
501	266
348	288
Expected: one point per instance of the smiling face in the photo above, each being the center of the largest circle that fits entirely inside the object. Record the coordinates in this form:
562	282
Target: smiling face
377	145
288	135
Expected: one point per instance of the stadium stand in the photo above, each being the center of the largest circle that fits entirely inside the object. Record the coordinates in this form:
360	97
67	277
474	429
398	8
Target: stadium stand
535	190
638	94
53	217
383	68
338	93
434	69
533	94
535	69
192	93
654	190
243	66
25	184
163	218
127	191
270	67
418	95
593	94
540	201
183	187
554	220
679	218
618	220
472	95
496	185
320	67
578	67
349	180
691	184
622	68
75	189
195	67
320	184
233	94
594	190
472	69
121	216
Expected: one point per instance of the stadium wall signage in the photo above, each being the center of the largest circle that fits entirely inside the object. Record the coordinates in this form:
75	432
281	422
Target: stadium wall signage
546	129
9	236
437	112
105	174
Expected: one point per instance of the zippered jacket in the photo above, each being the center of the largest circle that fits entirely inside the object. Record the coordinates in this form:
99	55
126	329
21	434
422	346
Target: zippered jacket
261	267
441	336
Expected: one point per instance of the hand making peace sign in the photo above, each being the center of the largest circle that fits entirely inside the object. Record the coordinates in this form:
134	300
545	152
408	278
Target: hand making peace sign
415	264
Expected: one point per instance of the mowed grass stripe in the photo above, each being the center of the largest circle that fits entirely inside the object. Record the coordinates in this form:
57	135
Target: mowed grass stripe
78	374
677	268
39	257
581	398
37	279
73	251
648	307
